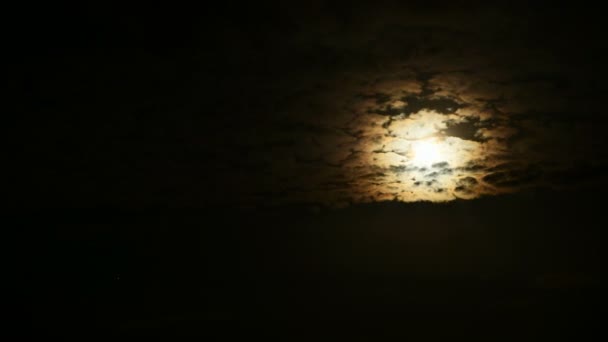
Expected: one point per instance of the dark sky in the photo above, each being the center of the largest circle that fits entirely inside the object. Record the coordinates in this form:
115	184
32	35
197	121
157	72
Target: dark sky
192	171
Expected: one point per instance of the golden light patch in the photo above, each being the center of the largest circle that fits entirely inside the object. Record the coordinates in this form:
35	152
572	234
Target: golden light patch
417	161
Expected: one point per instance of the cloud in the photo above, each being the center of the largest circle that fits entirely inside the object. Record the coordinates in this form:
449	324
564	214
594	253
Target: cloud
329	109
512	177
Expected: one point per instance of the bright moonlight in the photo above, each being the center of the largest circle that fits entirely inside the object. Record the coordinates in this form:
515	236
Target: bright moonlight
426	152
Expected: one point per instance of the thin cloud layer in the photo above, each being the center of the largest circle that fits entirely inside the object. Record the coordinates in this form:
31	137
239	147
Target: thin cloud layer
491	106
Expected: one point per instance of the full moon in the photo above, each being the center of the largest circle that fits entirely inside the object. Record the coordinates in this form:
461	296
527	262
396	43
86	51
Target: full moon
426	152
419	161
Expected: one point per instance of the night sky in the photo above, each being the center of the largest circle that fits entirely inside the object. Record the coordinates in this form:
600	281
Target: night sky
385	169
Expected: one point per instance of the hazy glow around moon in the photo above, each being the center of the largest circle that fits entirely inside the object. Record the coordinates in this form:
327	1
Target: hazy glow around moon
426	152
420	161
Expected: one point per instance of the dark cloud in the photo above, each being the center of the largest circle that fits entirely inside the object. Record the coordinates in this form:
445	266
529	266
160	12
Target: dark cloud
413	104
470	181
466	185
513	178
467	130
303	101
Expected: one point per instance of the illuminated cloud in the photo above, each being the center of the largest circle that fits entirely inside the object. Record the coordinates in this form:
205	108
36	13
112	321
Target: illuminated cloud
410	108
